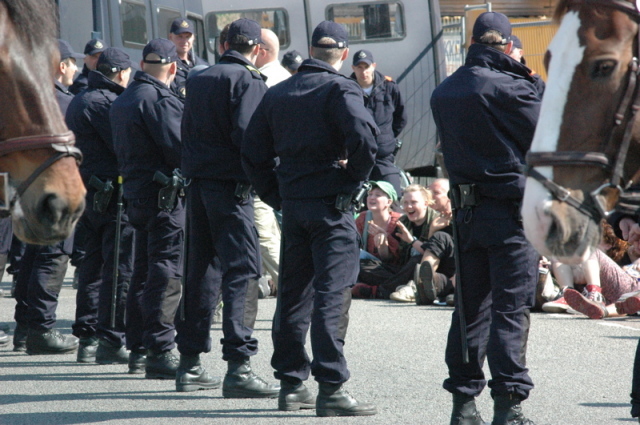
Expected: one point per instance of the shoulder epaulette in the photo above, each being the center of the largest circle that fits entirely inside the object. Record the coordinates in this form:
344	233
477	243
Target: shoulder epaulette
387	78
253	69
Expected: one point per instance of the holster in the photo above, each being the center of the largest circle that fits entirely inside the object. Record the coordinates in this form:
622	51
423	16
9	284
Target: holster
242	191
172	188
102	197
348	202
464	196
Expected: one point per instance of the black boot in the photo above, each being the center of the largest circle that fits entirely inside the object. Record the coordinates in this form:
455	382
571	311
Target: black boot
4	339
161	365
295	396
191	376
464	411
108	353
20	338
50	342
137	363
333	400
507	411
241	382
87	350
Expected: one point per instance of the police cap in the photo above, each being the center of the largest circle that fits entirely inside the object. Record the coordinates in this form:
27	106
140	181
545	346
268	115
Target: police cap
95	45
181	25
161	47
113	60
247	28
66	51
329	29
492	21
363	56
292	60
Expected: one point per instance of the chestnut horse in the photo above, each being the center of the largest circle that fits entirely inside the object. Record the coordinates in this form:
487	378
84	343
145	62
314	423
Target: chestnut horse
586	145
44	194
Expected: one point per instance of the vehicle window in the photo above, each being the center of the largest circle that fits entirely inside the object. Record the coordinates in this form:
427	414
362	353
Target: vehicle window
165	18
277	20
199	45
134	24
379	21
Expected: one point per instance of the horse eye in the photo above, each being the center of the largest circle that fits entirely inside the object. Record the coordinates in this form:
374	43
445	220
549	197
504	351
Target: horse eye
603	68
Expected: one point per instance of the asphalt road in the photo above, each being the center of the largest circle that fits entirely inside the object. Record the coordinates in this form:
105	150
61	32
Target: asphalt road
581	368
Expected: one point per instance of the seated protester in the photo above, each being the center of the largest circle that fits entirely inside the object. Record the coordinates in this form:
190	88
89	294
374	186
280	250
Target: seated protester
380	250
434	275
413	230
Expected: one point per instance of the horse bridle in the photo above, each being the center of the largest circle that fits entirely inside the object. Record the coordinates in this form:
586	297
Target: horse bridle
62	144
594	205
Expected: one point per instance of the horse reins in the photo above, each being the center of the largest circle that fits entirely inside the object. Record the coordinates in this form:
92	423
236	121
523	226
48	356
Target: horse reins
62	144
628	202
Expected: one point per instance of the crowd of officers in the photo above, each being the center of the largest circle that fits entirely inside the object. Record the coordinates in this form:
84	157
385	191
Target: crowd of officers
174	157
174	161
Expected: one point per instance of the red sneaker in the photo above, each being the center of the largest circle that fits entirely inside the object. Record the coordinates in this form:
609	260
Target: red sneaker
630	305
591	303
556	306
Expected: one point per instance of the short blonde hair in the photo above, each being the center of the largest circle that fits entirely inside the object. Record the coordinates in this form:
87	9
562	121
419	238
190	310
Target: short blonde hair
426	193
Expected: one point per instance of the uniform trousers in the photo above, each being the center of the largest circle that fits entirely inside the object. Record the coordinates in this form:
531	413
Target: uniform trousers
42	272
154	290
385	170
223	256
6	230
319	267
95	283
499	274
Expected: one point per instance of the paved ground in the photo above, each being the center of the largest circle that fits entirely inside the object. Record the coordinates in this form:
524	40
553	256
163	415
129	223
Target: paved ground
582	370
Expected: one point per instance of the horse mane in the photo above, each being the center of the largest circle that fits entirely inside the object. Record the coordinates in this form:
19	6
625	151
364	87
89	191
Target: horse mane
561	9
34	21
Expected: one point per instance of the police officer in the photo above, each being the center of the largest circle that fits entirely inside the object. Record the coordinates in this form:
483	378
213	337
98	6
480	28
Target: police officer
182	34
145	123
382	98
43	267
486	113
220	102
92	51
88	118
313	184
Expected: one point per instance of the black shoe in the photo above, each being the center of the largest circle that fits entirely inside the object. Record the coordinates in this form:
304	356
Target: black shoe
4	339
20	338
464	411
295	397
333	400
507	411
108	353
137	363
426	291
191	376
50	342
161	365
87	350
241	382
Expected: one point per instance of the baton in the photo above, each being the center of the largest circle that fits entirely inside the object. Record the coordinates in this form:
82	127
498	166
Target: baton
116	256
456	256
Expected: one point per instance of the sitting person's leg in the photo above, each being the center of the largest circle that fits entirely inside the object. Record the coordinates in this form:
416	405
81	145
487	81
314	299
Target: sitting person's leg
591	303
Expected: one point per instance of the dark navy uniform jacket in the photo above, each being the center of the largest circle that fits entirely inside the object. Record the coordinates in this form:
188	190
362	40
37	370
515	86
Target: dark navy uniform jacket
179	83
81	82
215	120
145	120
88	118
486	113
63	96
309	141
386	105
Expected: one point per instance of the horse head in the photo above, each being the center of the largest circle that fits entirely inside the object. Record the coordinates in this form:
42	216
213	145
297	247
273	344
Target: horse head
586	131
45	186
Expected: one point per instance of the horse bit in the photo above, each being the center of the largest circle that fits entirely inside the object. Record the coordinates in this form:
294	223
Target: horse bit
62	144
628	202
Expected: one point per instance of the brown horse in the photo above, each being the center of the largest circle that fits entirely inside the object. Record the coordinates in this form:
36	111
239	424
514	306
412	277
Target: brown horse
586	142
46	194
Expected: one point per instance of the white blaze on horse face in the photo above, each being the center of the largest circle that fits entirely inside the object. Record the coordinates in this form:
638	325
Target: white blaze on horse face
566	55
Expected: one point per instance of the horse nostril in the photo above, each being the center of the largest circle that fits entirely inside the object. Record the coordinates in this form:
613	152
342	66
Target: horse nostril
53	208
